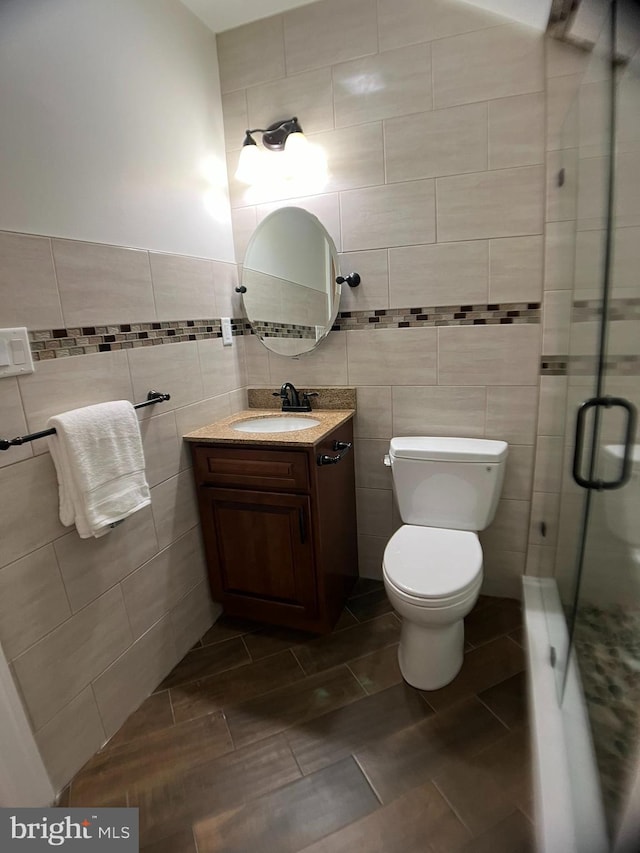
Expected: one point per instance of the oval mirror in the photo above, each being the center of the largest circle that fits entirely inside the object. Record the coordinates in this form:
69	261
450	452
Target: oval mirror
290	268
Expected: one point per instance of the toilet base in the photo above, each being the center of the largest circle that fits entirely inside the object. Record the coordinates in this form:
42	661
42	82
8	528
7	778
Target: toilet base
430	657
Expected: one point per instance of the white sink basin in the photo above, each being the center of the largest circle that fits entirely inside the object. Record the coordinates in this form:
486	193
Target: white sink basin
277	423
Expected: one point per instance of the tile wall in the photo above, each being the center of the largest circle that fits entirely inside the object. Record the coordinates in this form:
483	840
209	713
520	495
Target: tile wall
92	626
432	117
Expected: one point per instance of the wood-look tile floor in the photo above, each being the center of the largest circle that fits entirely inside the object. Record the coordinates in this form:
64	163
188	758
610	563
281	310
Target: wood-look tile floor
270	740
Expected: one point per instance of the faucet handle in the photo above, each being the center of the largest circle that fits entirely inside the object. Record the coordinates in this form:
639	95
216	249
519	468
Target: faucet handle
307	394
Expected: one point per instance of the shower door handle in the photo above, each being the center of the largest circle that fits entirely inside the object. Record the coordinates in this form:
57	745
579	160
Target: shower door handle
625	469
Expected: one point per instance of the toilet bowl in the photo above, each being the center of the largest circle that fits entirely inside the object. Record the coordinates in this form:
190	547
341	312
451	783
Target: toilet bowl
446	490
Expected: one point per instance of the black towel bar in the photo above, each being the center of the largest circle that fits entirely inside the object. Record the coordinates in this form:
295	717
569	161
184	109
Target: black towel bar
6	443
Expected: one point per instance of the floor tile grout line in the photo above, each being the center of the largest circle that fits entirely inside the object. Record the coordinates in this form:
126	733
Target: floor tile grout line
297	659
366	778
242	640
453	808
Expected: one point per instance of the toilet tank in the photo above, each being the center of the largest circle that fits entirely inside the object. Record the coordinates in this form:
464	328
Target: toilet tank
447	482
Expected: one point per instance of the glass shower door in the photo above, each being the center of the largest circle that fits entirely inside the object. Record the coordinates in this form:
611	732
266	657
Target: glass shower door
603	454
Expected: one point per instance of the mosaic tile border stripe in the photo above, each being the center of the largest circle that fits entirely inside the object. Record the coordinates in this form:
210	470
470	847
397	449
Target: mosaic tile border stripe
86	340
269	329
623	308
587	365
492	314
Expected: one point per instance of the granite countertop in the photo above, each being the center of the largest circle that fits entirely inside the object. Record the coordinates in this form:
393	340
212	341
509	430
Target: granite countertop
222	432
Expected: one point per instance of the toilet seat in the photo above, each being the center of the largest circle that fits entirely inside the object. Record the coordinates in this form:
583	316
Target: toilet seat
433	566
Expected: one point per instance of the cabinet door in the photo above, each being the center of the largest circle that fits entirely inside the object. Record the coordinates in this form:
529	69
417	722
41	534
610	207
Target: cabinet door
259	545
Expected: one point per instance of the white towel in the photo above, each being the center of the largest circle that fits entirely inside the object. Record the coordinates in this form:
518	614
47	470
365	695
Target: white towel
99	460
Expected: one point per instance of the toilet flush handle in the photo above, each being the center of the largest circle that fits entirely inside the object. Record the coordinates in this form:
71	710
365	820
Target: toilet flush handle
387	460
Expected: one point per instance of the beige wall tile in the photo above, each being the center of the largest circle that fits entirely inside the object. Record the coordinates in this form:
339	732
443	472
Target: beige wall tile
545	507
182	287
308	96
561	201
222	368
553	405
225	281
325	33
503	571
13	421
392	357
509	530
560	95
69	740
68	383
257	360
511	413
556	322
370	552
350	165
402	86
563	58
243	221
172	368
498	62
251	54
200	414
505	203
519	473
174	507
549	463
238	400
371	472
103	284
373	412
90	567
29	490
438	410
235	118
415	21
559	250
57	668
441	274
374	511
27	273
373	268
441	142
395	215
124	685
163	449
515	269
479	355
157	586
192	617
326	207
516	131
329	359
541	561
32	600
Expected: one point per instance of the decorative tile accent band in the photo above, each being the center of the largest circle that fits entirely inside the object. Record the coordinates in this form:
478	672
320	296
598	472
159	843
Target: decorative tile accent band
587	365
504	313
623	308
85	340
268	329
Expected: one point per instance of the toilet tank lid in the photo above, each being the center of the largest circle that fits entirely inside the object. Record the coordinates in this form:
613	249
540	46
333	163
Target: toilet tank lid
448	449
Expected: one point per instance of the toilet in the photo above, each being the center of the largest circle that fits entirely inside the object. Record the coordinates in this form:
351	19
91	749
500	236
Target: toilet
446	490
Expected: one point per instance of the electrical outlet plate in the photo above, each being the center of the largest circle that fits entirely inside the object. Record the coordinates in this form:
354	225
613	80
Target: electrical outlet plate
15	353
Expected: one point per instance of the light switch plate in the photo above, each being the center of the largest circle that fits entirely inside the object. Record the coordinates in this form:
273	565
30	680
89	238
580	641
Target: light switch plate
227	337
15	352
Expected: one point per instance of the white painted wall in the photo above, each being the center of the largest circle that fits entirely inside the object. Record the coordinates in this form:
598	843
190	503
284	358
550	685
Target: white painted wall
111	125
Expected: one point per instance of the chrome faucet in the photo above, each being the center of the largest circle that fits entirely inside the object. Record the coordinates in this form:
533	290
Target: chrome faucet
290	397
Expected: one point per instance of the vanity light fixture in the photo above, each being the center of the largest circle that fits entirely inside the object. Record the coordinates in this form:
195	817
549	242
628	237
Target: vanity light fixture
285	137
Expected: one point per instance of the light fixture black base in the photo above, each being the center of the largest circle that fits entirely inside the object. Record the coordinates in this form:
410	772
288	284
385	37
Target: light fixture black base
353	279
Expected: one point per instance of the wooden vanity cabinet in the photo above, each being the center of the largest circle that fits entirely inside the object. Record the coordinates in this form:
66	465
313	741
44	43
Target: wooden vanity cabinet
279	529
